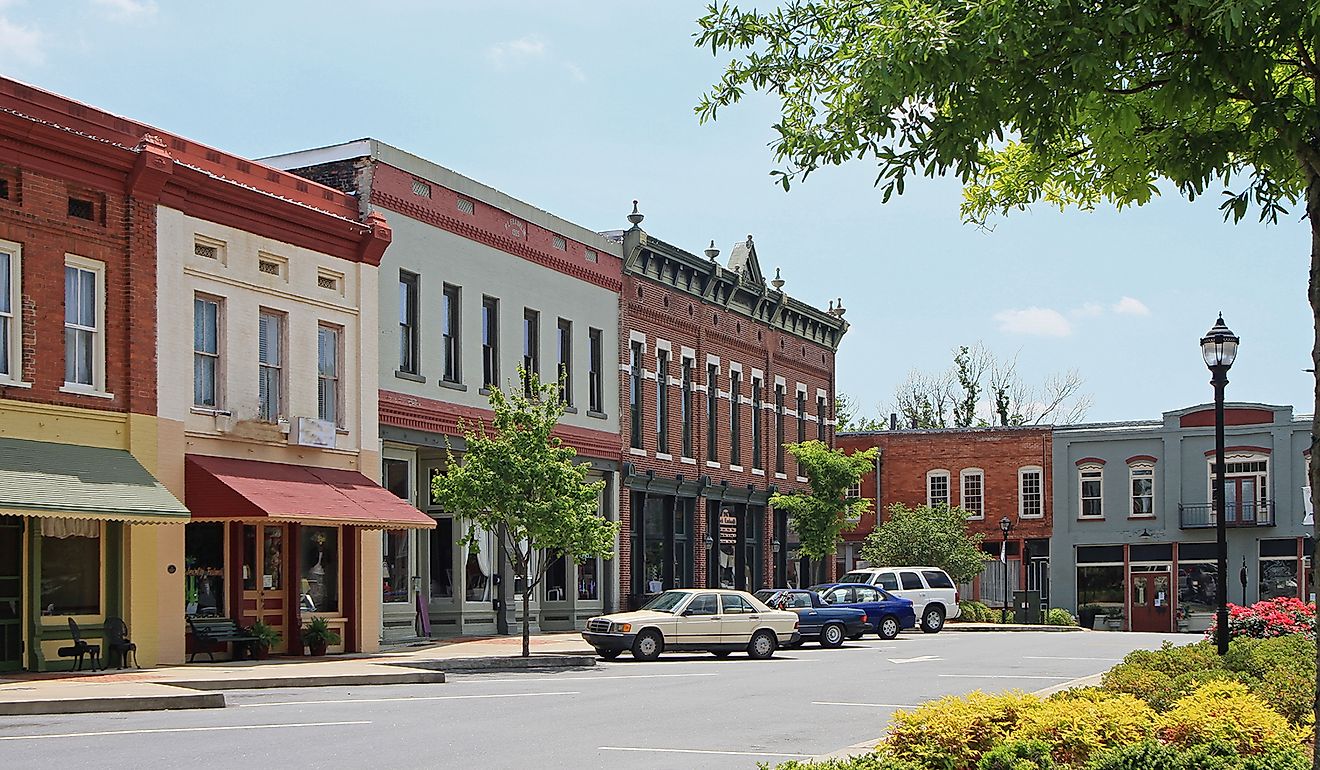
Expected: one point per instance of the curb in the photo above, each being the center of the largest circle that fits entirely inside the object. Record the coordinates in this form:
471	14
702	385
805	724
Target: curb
1085	681
993	628
326	680
501	663
126	703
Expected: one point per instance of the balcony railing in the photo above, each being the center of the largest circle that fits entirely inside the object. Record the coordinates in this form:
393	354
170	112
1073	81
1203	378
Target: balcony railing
1252	514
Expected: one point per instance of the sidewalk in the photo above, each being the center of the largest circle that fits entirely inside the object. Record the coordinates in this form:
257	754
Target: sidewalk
193	686
955	625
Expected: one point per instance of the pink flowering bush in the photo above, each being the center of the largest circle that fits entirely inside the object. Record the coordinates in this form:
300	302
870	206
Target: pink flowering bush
1266	619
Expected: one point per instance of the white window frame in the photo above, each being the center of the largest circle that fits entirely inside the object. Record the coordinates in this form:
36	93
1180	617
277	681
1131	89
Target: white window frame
97	386
1083	471
11	321
218	355
1147	469
963	476
336	378
280	366
948	487
1022	491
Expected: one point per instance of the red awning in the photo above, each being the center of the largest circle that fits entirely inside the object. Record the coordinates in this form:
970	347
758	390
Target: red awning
225	488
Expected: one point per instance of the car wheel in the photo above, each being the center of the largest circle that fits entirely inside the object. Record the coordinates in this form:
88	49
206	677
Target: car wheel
932	622
763	645
889	627
609	654
720	653
647	645
831	635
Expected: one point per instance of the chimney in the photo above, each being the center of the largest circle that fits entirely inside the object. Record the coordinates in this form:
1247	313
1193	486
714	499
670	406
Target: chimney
893	420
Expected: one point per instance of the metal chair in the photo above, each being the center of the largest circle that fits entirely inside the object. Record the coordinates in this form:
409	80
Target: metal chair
118	645
80	648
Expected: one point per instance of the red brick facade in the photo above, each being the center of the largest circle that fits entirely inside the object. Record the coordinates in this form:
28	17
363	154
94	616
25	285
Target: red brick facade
689	309
907	459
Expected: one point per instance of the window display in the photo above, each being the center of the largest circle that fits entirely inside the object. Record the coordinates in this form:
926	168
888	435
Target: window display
586	579
70	567
1278	577
394	567
319	589
556	576
442	559
204	569
1100	585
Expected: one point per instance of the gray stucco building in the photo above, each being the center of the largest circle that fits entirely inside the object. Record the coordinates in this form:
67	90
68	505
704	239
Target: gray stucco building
1134	523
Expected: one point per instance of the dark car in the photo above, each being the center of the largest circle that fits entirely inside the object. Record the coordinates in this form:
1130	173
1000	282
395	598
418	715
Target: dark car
817	620
886	614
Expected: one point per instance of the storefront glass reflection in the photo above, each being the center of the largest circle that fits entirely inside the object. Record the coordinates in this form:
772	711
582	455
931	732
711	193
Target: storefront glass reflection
319	551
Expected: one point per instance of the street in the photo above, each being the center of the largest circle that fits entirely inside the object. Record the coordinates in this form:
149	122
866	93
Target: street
679	711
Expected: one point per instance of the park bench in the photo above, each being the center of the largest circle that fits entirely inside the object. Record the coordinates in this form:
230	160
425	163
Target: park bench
219	631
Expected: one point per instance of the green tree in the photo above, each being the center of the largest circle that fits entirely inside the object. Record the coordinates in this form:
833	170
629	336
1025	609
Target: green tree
821	514
520	482
930	536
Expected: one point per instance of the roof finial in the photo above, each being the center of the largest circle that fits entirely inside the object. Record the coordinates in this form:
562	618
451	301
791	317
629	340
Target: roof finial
711	251
636	216
778	282
749	239
836	308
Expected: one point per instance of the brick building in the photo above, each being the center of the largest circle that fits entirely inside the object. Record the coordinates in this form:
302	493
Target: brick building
718	369
992	472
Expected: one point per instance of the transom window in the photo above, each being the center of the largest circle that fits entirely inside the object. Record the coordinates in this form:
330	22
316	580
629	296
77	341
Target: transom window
937	488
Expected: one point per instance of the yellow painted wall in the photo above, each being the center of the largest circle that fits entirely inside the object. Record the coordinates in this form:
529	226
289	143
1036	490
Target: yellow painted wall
368	598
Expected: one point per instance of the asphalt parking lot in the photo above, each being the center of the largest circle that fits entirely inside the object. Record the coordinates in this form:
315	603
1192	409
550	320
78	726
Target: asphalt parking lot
677	712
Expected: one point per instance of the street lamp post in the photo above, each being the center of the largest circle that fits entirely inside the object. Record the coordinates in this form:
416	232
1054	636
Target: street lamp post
1219	349
1005	525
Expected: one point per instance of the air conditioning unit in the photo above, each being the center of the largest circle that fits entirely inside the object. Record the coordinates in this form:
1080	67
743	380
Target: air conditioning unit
309	431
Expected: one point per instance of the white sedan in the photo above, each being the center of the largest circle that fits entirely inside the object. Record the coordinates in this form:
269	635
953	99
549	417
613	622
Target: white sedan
686	619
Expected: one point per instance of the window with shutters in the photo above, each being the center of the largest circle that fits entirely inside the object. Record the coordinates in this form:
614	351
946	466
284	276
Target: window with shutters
84	321
206	352
329	394
270	371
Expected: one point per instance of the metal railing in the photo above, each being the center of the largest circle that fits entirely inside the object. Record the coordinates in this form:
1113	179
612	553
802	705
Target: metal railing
1239	514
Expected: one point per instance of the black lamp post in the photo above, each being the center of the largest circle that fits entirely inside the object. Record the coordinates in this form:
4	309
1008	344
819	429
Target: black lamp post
1005	525
1219	348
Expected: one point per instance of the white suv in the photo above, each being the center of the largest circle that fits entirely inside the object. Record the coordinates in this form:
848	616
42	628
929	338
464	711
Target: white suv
933	594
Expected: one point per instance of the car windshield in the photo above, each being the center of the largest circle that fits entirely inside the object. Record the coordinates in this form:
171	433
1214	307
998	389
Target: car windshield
666	602
765	594
856	577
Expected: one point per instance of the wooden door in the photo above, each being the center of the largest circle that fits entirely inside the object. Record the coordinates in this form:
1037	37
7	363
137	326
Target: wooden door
11	593
1150	602
265	582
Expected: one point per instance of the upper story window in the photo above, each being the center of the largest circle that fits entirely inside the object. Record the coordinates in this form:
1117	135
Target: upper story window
662	401
1090	482
490	342
329	395
1141	477
270	357
685	406
531	348
802	416
564	369
11	317
1246	486
635	395
973	492
84	321
450	333
712	412
408	309
779	428
820	419
758	395
937	488
735	418
1031	491
206	352
595	372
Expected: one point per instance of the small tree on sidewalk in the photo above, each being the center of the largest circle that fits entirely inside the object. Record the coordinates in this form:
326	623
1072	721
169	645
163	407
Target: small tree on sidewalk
518	481
819	516
927	536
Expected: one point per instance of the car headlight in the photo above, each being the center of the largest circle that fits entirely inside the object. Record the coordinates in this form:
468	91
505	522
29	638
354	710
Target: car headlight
622	628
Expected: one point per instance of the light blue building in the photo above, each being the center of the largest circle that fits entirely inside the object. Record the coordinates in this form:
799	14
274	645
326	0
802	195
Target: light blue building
1134	523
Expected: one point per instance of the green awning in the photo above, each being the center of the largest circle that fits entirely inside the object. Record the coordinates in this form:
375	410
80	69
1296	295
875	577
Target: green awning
40	478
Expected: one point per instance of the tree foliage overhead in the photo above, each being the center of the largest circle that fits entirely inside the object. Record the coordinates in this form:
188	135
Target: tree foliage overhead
820	515
927	536
518	481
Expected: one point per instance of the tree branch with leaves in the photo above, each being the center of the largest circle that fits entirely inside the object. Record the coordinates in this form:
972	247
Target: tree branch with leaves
820	515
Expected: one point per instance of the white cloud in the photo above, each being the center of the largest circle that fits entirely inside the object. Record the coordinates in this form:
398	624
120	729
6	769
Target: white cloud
23	43
1089	310
127	8
1035	321
1130	306
516	51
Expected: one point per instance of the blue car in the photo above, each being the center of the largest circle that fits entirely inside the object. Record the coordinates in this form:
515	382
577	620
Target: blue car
816	619
886	614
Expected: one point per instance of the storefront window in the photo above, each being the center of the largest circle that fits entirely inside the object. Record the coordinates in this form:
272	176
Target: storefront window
320	567
556	575
1100	585
204	568
394	569
1278	577
1196	586
480	561
395	478
442	559
586	579
655	545
70	567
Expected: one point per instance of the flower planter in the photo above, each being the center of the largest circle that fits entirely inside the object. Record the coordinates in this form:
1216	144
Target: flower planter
316	649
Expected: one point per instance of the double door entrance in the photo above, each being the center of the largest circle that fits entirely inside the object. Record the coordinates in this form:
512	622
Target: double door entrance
11	593
265	569
1151	599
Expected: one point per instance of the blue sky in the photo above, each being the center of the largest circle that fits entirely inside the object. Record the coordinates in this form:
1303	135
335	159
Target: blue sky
579	107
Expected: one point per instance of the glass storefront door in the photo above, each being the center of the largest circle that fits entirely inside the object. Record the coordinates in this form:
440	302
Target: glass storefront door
265	592
11	593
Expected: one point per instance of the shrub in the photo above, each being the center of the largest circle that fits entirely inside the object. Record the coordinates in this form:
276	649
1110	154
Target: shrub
976	612
1018	755
955	732
860	762
1226	713
1152	755
1058	616
1269	618
1079	724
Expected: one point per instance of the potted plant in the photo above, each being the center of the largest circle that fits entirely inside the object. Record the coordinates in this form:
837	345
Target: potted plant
1114	619
1087	613
266	637
318	635
1183	620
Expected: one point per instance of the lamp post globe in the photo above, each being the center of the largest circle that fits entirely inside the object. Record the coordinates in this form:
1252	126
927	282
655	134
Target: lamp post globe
1219	349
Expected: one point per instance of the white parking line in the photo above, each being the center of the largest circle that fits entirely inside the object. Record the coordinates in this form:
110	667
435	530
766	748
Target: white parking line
405	698
1053	657
705	751
176	730
867	705
1004	676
